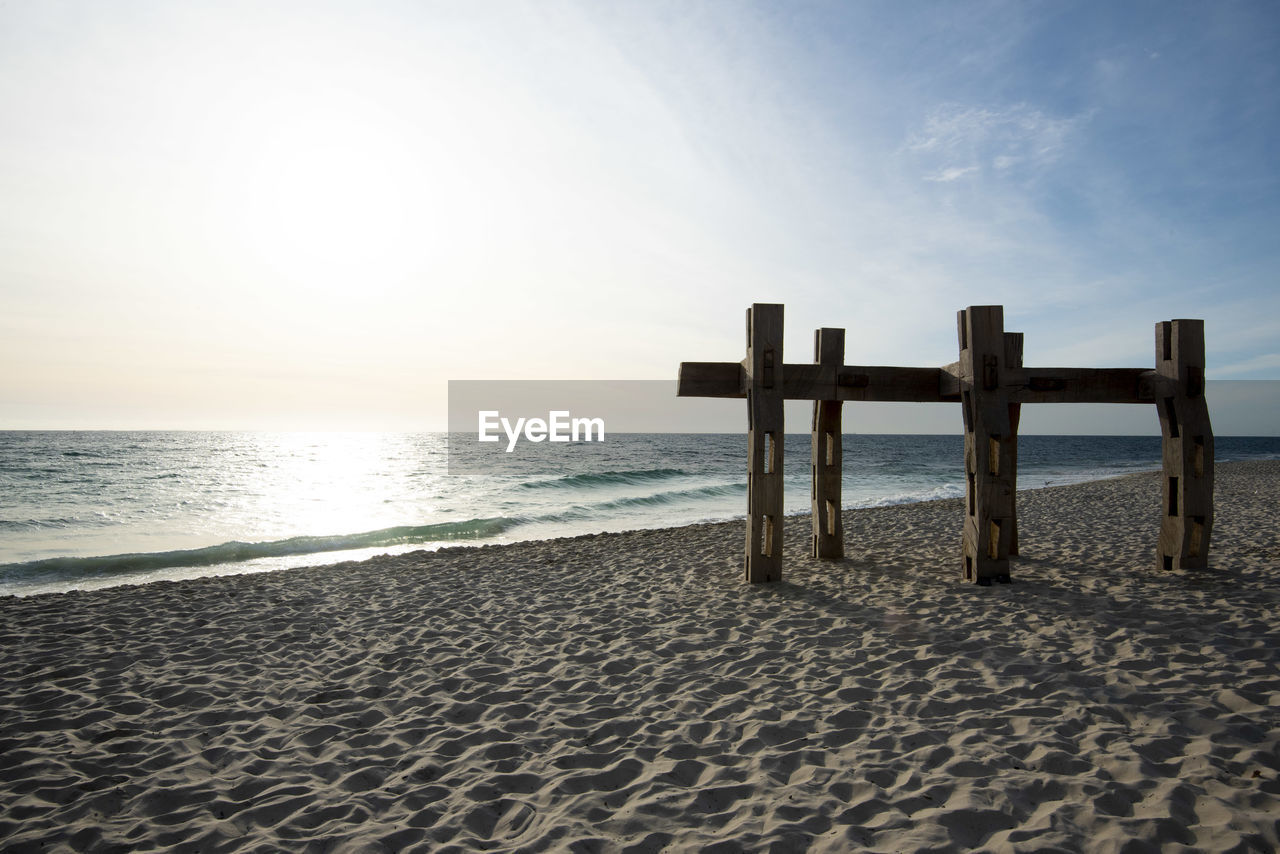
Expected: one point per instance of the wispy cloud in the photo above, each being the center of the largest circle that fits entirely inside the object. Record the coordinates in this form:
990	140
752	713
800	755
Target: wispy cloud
573	177
1262	362
957	140
955	173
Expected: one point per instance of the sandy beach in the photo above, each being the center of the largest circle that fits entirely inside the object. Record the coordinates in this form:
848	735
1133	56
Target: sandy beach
627	692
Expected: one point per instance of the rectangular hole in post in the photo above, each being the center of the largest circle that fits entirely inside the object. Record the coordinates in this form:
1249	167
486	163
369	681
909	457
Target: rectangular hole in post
1168	562
768	536
831	448
770	452
1171	416
990	372
1197	456
1166	334
993	539
993	454
968	568
972	497
1197	536
831	518
1195	381
1173	496
767	363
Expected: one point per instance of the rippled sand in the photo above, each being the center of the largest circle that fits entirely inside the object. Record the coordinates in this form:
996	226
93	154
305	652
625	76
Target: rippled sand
626	692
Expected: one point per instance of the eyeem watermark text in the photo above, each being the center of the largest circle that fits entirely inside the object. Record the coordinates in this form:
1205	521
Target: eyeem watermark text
558	426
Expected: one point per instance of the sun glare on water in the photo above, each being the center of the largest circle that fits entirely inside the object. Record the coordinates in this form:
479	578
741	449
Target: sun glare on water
327	483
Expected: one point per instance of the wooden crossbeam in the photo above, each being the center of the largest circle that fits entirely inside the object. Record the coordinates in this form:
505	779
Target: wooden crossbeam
1082	385
818	382
712	379
927	385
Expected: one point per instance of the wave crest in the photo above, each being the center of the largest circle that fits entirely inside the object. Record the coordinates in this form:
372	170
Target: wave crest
235	552
605	478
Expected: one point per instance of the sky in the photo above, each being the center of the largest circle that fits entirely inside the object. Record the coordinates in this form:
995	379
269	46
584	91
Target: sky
287	215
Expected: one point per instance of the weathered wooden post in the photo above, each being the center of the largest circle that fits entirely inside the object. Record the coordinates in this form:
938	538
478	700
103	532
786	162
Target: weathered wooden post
763	367
985	404
1013	342
827	461
1187	517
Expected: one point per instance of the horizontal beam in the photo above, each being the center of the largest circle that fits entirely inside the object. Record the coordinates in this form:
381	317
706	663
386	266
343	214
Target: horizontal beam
885	384
1082	385
928	385
815	382
712	379
949	381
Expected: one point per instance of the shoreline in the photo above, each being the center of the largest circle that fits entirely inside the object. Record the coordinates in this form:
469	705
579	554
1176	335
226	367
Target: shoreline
626	691
138	579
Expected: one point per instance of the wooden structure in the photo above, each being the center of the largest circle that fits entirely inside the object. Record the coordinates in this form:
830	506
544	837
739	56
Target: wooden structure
990	383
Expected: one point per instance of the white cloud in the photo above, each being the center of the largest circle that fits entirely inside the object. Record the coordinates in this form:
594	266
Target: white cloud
955	173
953	137
1262	362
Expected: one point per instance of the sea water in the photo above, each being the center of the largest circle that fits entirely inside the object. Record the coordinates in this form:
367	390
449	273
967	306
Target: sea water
83	510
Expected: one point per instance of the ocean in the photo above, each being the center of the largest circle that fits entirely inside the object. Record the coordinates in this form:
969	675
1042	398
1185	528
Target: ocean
85	510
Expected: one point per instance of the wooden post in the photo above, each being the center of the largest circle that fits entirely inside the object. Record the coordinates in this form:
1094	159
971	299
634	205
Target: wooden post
1013	359
827	461
989	489
763	367
1187	491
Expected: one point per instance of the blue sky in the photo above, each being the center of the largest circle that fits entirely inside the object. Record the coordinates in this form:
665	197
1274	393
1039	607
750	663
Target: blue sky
314	215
